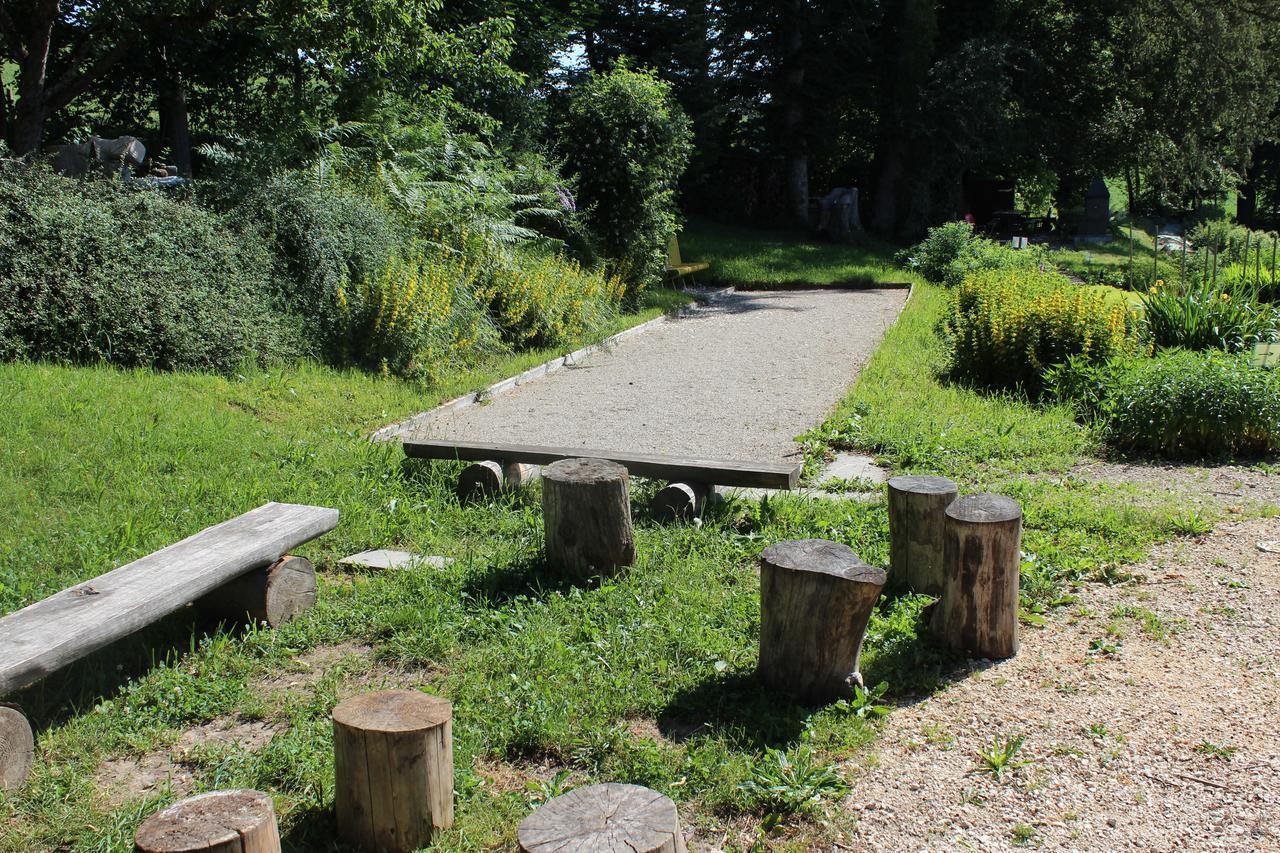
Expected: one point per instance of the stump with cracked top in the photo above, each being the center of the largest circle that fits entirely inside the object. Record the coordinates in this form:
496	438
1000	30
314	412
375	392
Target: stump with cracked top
17	747
270	596
242	821
608	818
815	601
393	769
586	508
917	507
978	610
482	481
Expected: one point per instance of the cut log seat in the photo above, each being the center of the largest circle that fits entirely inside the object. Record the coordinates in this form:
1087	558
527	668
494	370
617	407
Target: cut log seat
48	635
719	472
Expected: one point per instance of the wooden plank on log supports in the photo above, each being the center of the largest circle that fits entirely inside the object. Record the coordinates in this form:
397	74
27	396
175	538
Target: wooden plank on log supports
43	637
720	472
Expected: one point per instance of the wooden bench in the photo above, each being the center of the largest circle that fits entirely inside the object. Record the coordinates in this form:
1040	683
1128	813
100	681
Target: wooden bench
239	554
676	267
690	478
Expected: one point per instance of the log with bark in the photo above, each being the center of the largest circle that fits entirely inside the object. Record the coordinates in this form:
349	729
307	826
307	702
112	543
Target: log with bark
978	610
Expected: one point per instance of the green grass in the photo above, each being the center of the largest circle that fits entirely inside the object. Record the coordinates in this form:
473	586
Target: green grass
756	258
647	678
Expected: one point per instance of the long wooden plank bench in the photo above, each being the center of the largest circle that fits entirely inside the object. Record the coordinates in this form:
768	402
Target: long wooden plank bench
718	472
242	555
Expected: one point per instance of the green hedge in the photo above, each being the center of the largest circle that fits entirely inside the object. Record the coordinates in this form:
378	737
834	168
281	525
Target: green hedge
91	271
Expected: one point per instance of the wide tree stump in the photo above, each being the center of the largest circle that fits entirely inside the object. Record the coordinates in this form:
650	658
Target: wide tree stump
681	501
586	509
270	596
482	481
978	610
242	821
815	601
917	507
17	747
609	818
393	768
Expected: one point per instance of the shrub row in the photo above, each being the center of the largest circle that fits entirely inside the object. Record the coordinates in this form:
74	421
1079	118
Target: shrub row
951	252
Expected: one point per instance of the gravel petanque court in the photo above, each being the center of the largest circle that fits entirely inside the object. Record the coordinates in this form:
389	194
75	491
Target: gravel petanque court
738	379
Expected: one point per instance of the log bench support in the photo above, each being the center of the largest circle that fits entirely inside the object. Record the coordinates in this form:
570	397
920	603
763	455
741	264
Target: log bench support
17	746
270	596
681	500
393	769
978	610
586	509
241	821
484	481
917	516
606	818
815	601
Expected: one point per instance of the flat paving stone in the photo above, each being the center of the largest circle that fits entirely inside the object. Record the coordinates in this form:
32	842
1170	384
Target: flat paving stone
382	558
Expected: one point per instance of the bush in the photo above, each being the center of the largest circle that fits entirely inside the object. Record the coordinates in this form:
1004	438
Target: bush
1199	316
628	142
320	234
1180	404
91	271
952	251
1006	327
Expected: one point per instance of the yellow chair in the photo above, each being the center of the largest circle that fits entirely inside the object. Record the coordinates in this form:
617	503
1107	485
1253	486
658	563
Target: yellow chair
677	268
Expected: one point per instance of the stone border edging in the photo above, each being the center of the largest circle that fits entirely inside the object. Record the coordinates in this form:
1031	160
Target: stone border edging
397	430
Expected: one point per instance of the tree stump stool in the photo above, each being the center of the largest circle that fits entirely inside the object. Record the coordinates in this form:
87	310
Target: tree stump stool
242	821
393	768
483	481
586	509
978	611
815	601
917	507
270	596
609	818
681	501
17	747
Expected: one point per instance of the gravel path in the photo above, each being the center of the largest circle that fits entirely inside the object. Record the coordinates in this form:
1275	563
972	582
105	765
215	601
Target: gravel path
1149	711
738	379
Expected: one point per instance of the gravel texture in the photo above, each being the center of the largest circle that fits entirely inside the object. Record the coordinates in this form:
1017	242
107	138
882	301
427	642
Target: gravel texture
738	379
1153	743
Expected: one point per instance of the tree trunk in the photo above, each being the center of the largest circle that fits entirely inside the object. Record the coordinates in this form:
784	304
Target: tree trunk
791	95
29	110
608	817
884	206
175	134
17	747
242	821
917	518
586	508
978	611
270	596
393	769
815	602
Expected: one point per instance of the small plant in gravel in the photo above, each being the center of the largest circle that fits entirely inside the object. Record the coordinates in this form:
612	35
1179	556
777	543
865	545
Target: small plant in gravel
865	703
1213	750
999	757
1190	523
1104	647
1023	835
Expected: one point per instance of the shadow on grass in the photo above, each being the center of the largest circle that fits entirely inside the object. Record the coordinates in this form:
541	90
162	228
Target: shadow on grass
80	686
738	707
527	577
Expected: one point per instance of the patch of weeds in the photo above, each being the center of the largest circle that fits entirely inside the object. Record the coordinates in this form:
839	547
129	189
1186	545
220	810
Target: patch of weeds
1190	523
865	703
1104	647
1213	750
999	757
796	785
1023	835
1098	731
849	485
1233	583
541	790
1066	749
1153	626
